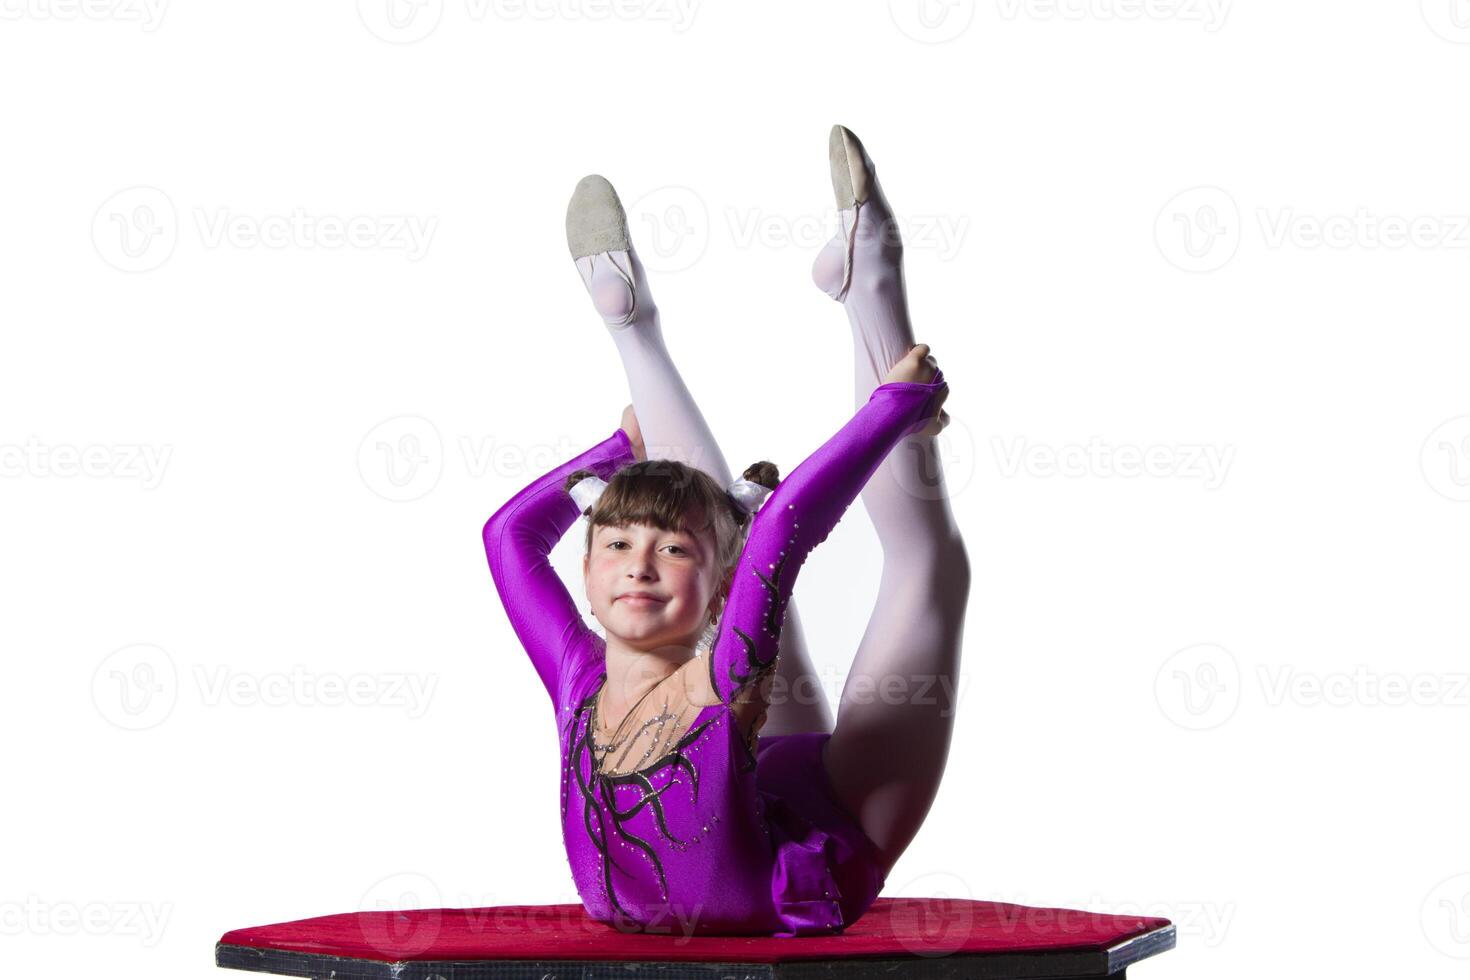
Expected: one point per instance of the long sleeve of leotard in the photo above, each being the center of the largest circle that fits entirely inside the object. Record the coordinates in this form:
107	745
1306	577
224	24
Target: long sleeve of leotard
518	540
796	517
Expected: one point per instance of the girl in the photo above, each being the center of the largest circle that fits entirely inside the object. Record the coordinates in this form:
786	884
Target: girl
676	811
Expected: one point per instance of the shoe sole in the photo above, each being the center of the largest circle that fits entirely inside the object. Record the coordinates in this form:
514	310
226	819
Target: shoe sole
595	219
851	167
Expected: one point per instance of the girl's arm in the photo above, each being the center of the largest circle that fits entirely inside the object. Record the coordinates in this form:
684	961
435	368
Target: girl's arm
518	539
795	518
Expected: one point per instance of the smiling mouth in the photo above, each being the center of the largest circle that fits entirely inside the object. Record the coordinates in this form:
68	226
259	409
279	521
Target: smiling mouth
641	601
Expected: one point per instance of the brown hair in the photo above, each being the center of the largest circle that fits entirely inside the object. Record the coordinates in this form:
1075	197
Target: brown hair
666	494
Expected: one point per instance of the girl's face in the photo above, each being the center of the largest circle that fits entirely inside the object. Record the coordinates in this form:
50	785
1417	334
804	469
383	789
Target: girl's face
651	588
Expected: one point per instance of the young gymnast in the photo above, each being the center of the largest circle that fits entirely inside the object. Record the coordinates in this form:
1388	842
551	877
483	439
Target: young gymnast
681	814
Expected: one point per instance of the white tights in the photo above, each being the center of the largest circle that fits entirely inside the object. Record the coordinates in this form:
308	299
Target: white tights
674	428
886	754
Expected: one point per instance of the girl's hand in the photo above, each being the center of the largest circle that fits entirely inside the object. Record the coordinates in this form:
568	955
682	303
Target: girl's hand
918	365
630	426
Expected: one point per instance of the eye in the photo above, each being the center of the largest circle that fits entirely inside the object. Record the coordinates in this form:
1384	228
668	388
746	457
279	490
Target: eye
680	549
613	544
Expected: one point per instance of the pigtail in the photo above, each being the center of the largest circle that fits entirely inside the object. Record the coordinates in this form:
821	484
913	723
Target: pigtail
765	473
746	494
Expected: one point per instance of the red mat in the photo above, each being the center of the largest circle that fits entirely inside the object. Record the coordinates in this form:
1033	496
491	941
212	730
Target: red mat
892	927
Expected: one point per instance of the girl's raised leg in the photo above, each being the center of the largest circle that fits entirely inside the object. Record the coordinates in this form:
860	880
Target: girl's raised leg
672	425
888	749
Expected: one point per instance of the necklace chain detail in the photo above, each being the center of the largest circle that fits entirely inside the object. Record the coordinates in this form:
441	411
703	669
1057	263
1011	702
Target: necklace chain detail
601	750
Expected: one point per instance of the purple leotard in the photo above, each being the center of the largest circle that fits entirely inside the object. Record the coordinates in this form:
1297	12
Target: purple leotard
709	839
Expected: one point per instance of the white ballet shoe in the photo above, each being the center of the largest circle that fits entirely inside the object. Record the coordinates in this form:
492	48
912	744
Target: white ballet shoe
597	237
595	218
863	215
852	168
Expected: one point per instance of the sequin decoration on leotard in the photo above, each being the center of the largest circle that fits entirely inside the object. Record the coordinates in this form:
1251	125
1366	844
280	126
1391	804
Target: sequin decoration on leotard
603	787
742	679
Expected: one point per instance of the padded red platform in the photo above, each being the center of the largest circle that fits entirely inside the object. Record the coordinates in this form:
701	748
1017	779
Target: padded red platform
897	939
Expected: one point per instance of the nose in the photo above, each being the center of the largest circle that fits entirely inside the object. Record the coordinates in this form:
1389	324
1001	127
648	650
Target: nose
640	566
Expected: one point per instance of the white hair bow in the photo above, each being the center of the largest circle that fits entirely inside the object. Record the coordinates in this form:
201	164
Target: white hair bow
747	494
586	491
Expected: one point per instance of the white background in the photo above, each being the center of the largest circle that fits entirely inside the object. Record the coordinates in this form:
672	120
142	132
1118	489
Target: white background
1234	696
